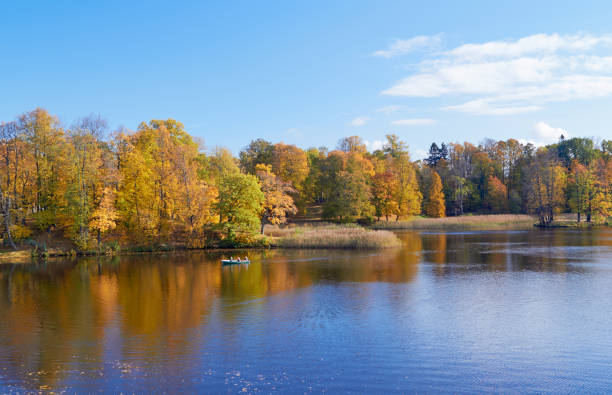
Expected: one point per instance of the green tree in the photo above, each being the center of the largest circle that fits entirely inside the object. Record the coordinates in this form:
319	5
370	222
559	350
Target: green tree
239	206
257	152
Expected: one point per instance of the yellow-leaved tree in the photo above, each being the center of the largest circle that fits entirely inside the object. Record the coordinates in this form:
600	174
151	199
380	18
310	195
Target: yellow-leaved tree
435	206
547	183
406	195
278	202
104	217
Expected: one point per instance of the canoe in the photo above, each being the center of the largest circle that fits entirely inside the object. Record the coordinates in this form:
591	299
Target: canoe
231	262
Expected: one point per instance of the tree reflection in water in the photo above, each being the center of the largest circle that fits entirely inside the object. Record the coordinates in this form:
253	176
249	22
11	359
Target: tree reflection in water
96	320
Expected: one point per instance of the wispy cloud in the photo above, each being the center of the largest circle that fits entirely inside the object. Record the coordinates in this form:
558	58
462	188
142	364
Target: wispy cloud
482	107
393	108
360	121
413	122
537	44
511	77
400	47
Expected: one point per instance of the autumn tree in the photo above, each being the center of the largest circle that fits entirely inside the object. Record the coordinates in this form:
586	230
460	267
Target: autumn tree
496	198
312	186
290	164
84	164
383	185
161	192
278	202
9	157
46	144
406	194
434	206
547	184
221	163
579	186
104	217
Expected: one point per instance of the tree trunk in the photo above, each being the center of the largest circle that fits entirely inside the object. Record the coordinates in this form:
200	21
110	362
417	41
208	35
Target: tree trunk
7	224
6	205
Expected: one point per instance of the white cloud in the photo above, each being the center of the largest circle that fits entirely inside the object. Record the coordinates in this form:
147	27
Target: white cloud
413	122
511	77
477	78
546	134
400	47
389	109
536	44
360	121
374	145
483	107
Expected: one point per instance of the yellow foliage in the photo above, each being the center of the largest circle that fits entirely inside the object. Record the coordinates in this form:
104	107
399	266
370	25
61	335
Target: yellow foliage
19	232
435	206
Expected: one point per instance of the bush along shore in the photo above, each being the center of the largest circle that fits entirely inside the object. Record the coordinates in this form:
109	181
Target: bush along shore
320	235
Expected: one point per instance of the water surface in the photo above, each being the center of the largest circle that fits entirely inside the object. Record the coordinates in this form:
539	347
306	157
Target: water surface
505	311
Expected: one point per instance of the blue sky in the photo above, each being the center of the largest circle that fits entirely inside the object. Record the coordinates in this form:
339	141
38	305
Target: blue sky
311	72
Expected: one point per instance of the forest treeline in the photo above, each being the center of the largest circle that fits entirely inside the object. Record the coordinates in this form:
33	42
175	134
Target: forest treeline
158	185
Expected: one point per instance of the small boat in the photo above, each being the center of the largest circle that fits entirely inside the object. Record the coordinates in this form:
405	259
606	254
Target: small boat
234	261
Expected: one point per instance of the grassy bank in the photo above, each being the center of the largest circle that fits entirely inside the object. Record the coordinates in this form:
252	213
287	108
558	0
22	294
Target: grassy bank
568	220
20	256
330	236
466	222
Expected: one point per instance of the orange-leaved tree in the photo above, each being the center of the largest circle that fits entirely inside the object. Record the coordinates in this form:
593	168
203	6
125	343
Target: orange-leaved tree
435	206
278	202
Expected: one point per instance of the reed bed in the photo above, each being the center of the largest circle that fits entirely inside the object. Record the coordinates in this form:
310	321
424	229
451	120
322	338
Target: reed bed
465	222
331	236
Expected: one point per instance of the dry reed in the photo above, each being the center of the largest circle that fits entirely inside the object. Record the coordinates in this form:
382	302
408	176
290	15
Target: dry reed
483	222
331	236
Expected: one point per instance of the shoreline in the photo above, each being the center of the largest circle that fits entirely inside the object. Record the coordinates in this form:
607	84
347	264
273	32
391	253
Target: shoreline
290	232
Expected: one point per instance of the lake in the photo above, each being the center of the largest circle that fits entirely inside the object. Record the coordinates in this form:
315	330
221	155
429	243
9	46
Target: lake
505	311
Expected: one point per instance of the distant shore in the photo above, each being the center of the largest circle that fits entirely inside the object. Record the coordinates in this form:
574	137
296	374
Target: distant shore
315	235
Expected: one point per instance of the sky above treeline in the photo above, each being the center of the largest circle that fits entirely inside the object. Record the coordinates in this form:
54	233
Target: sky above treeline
311	72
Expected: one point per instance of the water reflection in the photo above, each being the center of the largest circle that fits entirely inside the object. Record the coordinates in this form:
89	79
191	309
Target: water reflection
94	323
539	251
